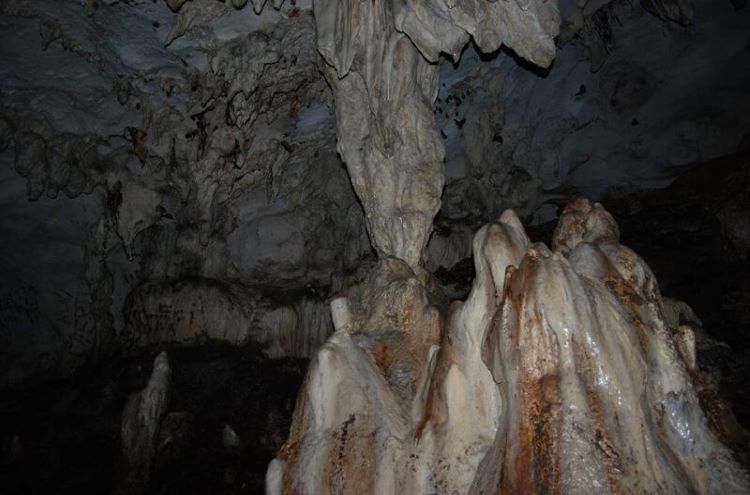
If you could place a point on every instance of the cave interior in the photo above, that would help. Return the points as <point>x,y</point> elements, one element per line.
<point>394,246</point>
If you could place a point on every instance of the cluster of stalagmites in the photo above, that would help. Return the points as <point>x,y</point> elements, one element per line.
<point>562,372</point>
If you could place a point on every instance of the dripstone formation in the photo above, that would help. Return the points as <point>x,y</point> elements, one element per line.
<point>355,188</point>
<point>557,374</point>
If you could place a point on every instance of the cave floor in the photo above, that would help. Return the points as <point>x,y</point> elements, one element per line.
<point>64,437</point>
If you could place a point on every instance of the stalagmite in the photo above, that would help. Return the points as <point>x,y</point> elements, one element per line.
<point>239,182</point>
<point>558,374</point>
<point>141,422</point>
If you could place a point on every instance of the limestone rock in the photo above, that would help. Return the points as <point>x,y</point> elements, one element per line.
<point>384,86</point>
<point>558,374</point>
<point>186,312</point>
<point>175,5</point>
<point>195,311</point>
<point>680,11</point>
<point>141,422</point>
<point>162,148</point>
<point>445,249</point>
<point>582,221</point>
<point>229,438</point>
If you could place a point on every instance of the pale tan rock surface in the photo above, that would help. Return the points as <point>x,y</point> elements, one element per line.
<point>381,57</point>
<point>558,374</point>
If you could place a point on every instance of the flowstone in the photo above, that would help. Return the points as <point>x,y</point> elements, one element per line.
<point>560,373</point>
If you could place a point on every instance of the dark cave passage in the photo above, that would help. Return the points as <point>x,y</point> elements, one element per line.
<point>229,412</point>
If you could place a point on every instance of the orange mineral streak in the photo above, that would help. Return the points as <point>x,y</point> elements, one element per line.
<point>558,374</point>
<point>535,469</point>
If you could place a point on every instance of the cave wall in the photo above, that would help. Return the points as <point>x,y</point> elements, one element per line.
<point>631,101</point>
<point>163,158</point>
<point>167,177</point>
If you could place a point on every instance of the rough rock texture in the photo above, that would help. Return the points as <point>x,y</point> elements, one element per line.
<point>192,312</point>
<point>583,222</point>
<point>720,188</point>
<point>143,149</point>
<point>682,226</point>
<point>381,56</point>
<point>680,11</point>
<point>558,374</point>
<point>631,101</point>
<point>165,144</point>
<point>168,177</point>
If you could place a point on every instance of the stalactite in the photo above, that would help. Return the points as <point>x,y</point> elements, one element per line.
<point>381,65</point>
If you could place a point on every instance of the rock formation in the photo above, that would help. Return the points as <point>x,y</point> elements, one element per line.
<point>190,166</point>
<point>192,144</point>
<point>382,58</point>
<point>204,176</point>
<point>141,424</point>
<point>558,374</point>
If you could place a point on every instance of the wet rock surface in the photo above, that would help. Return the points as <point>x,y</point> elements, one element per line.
<point>679,231</point>
<point>564,370</point>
